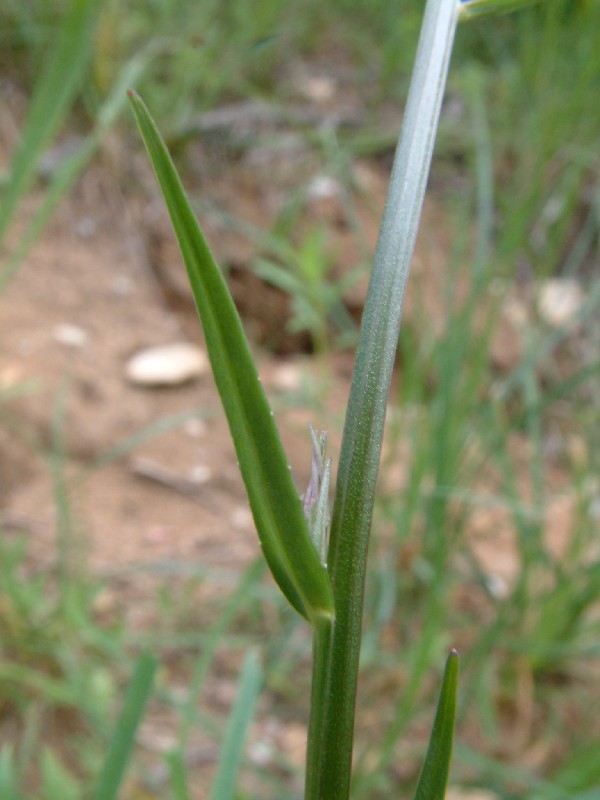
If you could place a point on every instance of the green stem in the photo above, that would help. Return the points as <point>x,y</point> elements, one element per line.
<point>322,638</point>
<point>331,728</point>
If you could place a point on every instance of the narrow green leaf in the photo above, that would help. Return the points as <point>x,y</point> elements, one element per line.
<point>8,774</point>
<point>244,589</point>
<point>230,758</point>
<point>67,172</point>
<point>274,501</point>
<point>470,9</point>
<point>177,759</point>
<point>57,782</point>
<point>123,738</point>
<point>53,95</point>
<point>434,775</point>
<point>178,778</point>
<point>52,689</point>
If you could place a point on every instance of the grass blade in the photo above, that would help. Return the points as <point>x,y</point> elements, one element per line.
<point>52,689</point>
<point>274,500</point>
<point>57,782</point>
<point>434,775</point>
<point>177,758</point>
<point>67,173</point>
<point>8,774</point>
<point>470,9</point>
<point>50,103</point>
<point>230,758</point>
<point>123,738</point>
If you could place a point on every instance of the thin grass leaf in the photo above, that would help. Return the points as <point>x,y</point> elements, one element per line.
<point>123,738</point>
<point>434,775</point>
<point>274,501</point>
<point>57,782</point>
<point>177,776</point>
<point>67,173</point>
<point>230,758</point>
<point>8,774</point>
<point>53,95</point>
<point>52,689</point>
<point>177,758</point>
<point>581,770</point>
<point>471,9</point>
<point>497,771</point>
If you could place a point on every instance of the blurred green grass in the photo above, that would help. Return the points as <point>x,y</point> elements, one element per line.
<point>517,152</point>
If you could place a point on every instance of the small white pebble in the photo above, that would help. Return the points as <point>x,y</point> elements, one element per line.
<point>261,753</point>
<point>70,335</point>
<point>85,227</point>
<point>324,187</point>
<point>241,518</point>
<point>559,301</point>
<point>201,473</point>
<point>497,586</point>
<point>318,88</point>
<point>166,365</point>
<point>123,286</point>
<point>195,428</point>
<point>287,377</point>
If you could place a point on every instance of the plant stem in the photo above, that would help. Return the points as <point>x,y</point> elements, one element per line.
<point>322,637</point>
<point>336,654</point>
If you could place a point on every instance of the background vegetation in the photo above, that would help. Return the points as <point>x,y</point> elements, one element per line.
<point>479,443</point>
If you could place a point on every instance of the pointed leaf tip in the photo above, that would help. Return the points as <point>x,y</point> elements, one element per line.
<point>434,775</point>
